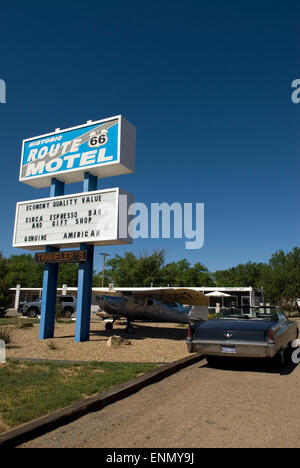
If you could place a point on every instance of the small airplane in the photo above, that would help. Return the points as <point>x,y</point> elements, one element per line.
<point>172,305</point>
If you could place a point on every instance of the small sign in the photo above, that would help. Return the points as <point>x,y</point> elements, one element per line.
<point>69,256</point>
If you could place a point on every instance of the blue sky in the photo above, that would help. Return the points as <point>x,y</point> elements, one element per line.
<point>208,87</point>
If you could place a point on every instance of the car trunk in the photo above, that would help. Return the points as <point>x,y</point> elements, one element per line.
<point>233,330</point>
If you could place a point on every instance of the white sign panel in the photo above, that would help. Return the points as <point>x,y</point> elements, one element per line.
<point>68,221</point>
<point>104,148</point>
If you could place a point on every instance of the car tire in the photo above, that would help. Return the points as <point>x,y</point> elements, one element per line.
<point>68,312</point>
<point>32,312</point>
<point>280,359</point>
<point>129,329</point>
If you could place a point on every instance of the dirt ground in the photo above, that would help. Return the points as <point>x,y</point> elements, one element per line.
<point>250,404</point>
<point>151,342</point>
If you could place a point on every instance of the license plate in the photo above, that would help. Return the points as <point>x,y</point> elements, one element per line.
<point>228,349</point>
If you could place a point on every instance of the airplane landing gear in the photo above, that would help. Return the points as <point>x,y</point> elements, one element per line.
<point>129,329</point>
<point>109,325</point>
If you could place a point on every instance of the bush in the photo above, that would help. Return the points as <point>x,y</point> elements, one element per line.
<point>59,309</point>
<point>51,345</point>
<point>212,316</point>
<point>5,335</point>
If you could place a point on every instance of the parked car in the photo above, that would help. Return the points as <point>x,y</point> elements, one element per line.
<point>33,309</point>
<point>250,332</point>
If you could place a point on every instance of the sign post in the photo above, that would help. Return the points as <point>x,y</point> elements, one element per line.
<point>85,278</point>
<point>87,152</point>
<point>48,308</point>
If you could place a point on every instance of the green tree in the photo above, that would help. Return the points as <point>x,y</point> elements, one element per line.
<point>281,279</point>
<point>5,297</point>
<point>182,274</point>
<point>249,274</point>
<point>23,270</point>
<point>144,270</point>
<point>132,271</point>
<point>68,274</point>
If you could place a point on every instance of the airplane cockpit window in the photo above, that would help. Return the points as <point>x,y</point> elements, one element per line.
<point>139,300</point>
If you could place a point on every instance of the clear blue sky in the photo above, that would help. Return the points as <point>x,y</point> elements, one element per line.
<point>208,87</point>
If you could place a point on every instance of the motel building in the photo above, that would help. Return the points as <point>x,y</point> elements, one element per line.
<point>218,296</point>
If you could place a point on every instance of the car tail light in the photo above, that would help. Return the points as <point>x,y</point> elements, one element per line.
<point>270,336</point>
<point>190,333</point>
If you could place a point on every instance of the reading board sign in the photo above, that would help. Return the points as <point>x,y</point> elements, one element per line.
<point>68,221</point>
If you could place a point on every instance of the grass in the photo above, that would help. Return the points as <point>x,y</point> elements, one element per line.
<point>17,321</point>
<point>29,390</point>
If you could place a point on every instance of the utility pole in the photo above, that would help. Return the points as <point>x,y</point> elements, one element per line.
<point>103,269</point>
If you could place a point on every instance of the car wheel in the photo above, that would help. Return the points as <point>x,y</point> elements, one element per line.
<point>280,359</point>
<point>32,313</point>
<point>108,326</point>
<point>68,312</point>
<point>129,329</point>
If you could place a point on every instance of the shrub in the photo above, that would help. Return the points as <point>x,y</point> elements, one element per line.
<point>5,335</point>
<point>51,345</point>
<point>59,309</point>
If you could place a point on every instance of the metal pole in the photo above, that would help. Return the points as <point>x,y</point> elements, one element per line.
<point>103,269</point>
<point>85,278</point>
<point>48,307</point>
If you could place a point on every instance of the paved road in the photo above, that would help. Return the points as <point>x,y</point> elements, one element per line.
<point>250,404</point>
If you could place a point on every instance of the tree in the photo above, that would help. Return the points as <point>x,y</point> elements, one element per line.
<point>68,274</point>
<point>142,271</point>
<point>132,271</point>
<point>5,296</point>
<point>23,269</point>
<point>182,274</point>
<point>281,279</point>
<point>249,274</point>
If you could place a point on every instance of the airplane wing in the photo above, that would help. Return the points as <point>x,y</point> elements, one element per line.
<point>181,295</point>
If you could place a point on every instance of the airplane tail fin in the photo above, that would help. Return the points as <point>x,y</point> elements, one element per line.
<point>199,313</point>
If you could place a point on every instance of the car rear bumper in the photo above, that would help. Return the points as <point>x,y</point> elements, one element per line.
<point>242,349</point>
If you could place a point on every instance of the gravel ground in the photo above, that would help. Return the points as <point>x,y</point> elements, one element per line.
<point>151,342</point>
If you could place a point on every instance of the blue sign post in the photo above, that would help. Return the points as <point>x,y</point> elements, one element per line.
<point>85,278</point>
<point>48,309</point>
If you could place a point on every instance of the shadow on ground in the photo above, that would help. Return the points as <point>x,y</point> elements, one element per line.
<point>267,366</point>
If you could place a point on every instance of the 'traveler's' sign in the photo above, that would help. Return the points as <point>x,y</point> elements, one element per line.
<point>65,256</point>
<point>104,148</point>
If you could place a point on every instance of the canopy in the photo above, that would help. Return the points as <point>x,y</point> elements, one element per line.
<point>218,294</point>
